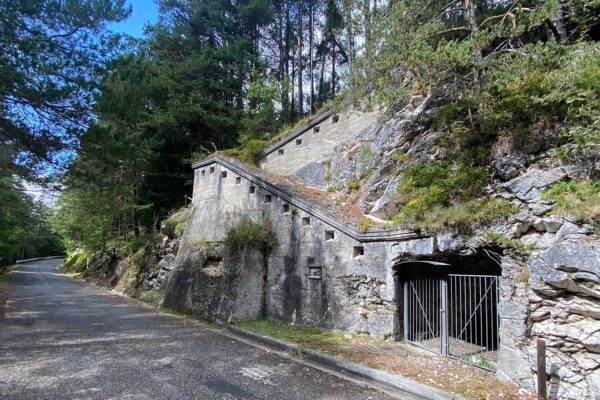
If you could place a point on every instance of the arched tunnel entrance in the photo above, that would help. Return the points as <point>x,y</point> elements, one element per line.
<point>450,306</point>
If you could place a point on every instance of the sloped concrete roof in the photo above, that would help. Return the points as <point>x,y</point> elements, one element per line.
<point>319,203</point>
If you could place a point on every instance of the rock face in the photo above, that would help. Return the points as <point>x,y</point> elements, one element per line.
<point>211,285</point>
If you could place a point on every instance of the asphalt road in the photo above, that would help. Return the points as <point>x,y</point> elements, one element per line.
<point>63,339</point>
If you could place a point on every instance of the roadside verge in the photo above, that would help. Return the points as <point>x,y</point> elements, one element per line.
<point>392,381</point>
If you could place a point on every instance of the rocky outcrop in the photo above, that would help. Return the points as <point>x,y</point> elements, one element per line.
<point>212,285</point>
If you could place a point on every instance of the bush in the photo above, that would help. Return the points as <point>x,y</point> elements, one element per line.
<point>259,235</point>
<point>248,152</point>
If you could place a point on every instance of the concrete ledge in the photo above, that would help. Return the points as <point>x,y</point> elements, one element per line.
<point>370,374</point>
<point>266,340</point>
<point>26,260</point>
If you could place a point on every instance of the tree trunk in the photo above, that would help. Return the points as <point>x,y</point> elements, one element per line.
<point>333,61</point>
<point>299,62</point>
<point>476,53</point>
<point>310,52</point>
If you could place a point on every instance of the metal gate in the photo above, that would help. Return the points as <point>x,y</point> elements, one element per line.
<point>456,315</point>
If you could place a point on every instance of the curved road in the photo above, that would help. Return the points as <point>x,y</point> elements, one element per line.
<point>63,339</point>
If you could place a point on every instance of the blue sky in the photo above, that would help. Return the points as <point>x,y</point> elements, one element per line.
<point>144,11</point>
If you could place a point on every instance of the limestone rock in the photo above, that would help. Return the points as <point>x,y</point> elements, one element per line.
<point>510,166</point>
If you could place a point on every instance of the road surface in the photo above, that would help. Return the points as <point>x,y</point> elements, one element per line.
<point>63,339</point>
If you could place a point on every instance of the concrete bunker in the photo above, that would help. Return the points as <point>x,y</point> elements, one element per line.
<point>449,305</point>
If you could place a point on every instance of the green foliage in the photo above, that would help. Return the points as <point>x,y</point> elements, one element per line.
<point>580,199</point>
<point>76,262</point>
<point>25,230</point>
<point>353,185</point>
<point>363,224</point>
<point>53,57</point>
<point>247,233</point>
<point>424,187</point>
<point>301,335</point>
<point>177,221</point>
<point>508,243</point>
<point>249,151</point>
<point>464,216</point>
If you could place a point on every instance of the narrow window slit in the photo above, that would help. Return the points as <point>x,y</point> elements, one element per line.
<point>358,251</point>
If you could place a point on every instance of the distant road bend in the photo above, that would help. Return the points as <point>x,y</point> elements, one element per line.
<point>63,339</point>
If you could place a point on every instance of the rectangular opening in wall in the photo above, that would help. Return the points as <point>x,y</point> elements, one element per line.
<point>316,129</point>
<point>358,251</point>
<point>202,172</point>
<point>329,235</point>
<point>267,198</point>
<point>335,119</point>
<point>280,152</point>
<point>314,272</point>
<point>251,189</point>
<point>238,180</point>
<point>298,142</point>
<point>285,208</point>
<point>212,170</point>
<point>223,174</point>
<point>306,221</point>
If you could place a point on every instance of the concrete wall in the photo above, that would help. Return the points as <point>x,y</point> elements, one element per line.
<point>355,293</point>
<point>317,147</point>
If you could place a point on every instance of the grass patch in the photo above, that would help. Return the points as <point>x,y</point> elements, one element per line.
<point>177,222</point>
<point>461,217</point>
<point>364,224</point>
<point>315,338</point>
<point>580,199</point>
<point>353,185</point>
<point>508,243</point>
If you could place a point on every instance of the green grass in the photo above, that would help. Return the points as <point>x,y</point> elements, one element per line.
<point>461,217</point>
<point>301,335</point>
<point>577,198</point>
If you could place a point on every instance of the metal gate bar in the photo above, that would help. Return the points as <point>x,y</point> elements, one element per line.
<point>456,315</point>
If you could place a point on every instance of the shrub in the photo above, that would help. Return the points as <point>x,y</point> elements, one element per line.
<point>248,152</point>
<point>259,235</point>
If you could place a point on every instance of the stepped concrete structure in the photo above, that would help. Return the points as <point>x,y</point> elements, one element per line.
<point>326,272</point>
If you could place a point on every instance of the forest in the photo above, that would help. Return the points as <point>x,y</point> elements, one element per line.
<point>113,123</point>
